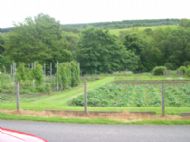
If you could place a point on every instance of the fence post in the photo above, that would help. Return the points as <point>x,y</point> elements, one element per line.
<point>17,96</point>
<point>162,99</point>
<point>14,70</point>
<point>57,78</point>
<point>11,70</point>
<point>44,69</point>
<point>85,98</point>
<point>50,68</point>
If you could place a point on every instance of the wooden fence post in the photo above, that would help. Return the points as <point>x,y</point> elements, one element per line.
<point>17,96</point>
<point>11,70</point>
<point>162,99</point>
<point>44,69</point>
<point>57,78</point>
<point>85,98</point>
<point>50,68</point>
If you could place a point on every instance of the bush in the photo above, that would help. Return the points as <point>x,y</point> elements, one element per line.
<point>64,75</point>
<point>75,73</point>
<point>188,71</point>
<point>22,73</point>
<point>170,66</point>
<point>37,74</point>
<point>159,70</point>
<point>68,74</point>
<point>182,70</point>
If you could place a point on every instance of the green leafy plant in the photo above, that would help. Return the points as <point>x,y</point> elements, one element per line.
<point>182,70</point>
<point>37,74</point>
<point>159,70</point>
<point>22,73</point>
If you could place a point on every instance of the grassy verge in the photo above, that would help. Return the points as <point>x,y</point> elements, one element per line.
<point>157,110</point>
<point>4,116</point>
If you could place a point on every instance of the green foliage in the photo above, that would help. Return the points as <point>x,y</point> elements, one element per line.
<point>125,95</point>
<point>3,59</point>
<point>141,45</point>
<point>100,52</point>
<point>122,24</point>
<point>137,49</point>
<point>188,71</point>
<point>75,73</point>
<point>159,70</point>
<point>170,66</point>
<point>184,23</point>
<point>38,39</point>
<point>182,70</point>
<point>37,73</point>
<point>22,73</point>
<point>68,74</point>
<point>64,75</point>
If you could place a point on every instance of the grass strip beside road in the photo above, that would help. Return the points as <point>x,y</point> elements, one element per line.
<point>4,116</point>
<point>157,110</point>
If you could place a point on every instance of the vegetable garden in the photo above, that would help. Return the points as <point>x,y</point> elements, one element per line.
<point>139,94</point>
<point>35,79</point>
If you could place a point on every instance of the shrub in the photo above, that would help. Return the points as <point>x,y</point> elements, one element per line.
<point>182,70</point>
<point>37,74</point>
<point>64,75</point>
<point>68,74</point>
<point>22,73</point>
<point>159,70</point>
<point>75,73</point>
<point>188,71</point>
<point>170,66</point>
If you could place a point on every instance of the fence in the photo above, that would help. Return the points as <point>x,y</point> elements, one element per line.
<point>142,93</point>
<point>35,78</point>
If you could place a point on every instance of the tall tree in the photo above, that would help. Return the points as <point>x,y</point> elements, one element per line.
<point>100,52</point>
<point>38,39</point>
<point>2,49</point>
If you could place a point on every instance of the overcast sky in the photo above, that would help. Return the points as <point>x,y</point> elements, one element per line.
<point>87,11</point>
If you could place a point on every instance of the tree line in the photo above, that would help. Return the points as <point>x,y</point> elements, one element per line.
<point>122,24</point>
<point>42,39</point>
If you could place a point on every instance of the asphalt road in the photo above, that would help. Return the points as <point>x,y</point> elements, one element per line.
<point>59,132</point>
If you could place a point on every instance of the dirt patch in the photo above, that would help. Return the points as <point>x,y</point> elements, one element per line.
<point>122,116</point>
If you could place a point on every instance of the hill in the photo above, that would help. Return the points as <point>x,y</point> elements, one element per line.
<point>122,24</point>
<point>113,24</point>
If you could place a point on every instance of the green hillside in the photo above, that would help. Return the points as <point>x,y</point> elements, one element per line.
<point>122,24</point>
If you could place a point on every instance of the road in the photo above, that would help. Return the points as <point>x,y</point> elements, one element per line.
<point>59,132</point>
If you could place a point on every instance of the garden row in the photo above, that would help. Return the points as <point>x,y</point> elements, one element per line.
<point>140,95</point>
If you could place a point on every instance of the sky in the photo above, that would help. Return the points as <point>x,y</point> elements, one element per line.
<point>88,11</point>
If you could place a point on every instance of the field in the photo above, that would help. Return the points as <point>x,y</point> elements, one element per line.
<point>140,29</point>
<point>104,95</point>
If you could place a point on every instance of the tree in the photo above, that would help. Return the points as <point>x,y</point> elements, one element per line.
<point>75,73</point>
<point>37,73</point>
<point>133,43</point>
<point>184,23</point>
<point>176,47</point>
<point>101,52</point>
<point>140,45</point>
<point>38,39</point>
<point>22,73</point>
<point>2,49</point>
